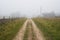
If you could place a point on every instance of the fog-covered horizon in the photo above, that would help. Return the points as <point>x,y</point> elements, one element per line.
<point>28,8</point>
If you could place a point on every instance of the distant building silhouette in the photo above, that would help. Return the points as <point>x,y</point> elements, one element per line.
<point>3,17</point>
<point>49,15</point>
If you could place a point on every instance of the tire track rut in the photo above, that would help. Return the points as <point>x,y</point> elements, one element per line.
<point>21,32</point>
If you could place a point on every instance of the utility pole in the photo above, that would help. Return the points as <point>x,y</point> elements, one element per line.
<point>40,11</point>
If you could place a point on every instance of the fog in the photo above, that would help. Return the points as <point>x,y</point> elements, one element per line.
<point>28,8</point>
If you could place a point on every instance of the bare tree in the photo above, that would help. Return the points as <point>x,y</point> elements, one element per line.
<point>15,15</point>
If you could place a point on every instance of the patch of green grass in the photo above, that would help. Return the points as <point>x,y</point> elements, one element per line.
<point>49,27</point>
<point>9,29</point>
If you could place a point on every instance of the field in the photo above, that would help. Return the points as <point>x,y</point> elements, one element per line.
<point>50,27</point>
<point>33,29</point>
<point>10,27</point>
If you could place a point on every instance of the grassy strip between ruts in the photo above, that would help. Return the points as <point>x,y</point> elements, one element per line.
<point>9,29</point>
<point>50,27</point>
<point>27,32</point>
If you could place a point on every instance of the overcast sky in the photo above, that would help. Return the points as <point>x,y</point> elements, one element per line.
<point>28,7</point>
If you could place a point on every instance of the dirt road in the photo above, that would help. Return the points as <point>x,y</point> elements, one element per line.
<point>33,32</point>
